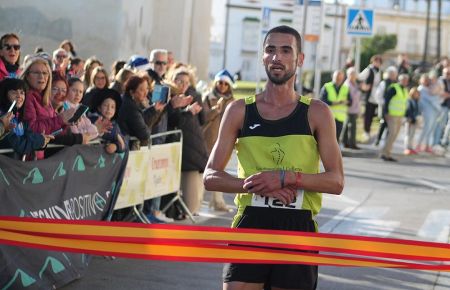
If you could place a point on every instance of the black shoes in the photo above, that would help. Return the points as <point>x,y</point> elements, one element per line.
<point>386,158</point>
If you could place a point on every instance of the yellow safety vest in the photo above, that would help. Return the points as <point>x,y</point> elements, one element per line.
<point>397,105</point>
<point>339,111</point>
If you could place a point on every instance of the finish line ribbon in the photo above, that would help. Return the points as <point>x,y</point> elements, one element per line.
<point>217,244</point>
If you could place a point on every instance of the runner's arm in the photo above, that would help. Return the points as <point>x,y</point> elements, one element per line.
<point>323,127</point>
<point>215,178</point>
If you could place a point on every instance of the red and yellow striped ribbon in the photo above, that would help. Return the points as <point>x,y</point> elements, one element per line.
<point>212,244</point>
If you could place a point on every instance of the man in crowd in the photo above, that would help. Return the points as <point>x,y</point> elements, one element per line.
<point>370,78</point>
<point>337,95</point>
<point>395,104</point>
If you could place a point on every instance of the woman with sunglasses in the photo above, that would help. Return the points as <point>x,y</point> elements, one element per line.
<point>9,56</point>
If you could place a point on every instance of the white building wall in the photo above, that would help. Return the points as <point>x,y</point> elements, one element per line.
<point>113,29</point>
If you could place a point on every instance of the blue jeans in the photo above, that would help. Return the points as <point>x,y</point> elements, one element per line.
<point>442,121</point>
<point>430,115</point>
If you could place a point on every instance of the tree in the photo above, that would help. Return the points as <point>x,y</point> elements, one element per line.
<point>377,44</point>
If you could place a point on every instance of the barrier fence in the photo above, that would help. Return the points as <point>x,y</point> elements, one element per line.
<point>151,172</point>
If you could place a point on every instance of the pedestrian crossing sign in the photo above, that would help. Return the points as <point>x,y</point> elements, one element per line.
<point>359,22</point>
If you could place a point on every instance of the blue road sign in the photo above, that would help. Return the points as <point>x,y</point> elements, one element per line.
<point>359,22</point>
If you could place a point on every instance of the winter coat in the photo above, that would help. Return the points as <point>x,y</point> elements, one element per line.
<point>4,72</point>
<point>194,152</point>
<point>40,119</point>
<point>84,125</point>
<point>213,116</point>
<point>136,122</point>
<point>21,139</point>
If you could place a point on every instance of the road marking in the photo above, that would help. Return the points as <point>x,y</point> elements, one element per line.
<point>365,221</point>
<point>436,226</point>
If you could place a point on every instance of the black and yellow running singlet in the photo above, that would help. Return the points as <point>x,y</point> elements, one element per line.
<point>283,144</point>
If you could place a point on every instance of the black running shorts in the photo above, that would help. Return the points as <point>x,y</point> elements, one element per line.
<point>282,276</point>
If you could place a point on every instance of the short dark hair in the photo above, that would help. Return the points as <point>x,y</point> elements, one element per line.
<point>133,83</point>
<point>286,30</point>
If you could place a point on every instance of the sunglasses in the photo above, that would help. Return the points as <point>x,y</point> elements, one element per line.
<point>10,46</point>
<point>222,83</point>
<point>61,56</point>
<point>160,62</point>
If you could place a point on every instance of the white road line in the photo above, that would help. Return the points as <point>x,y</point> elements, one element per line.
<point>436,226</point>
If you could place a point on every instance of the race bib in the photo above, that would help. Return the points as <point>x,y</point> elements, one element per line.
<point>264,201</point>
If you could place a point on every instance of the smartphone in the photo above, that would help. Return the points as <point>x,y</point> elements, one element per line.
<point>160,94</point>
<point>82,109</point>
<point>12,106</point>
<point>57,132</point>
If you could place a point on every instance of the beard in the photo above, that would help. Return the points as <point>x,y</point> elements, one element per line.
<point>281,80</point>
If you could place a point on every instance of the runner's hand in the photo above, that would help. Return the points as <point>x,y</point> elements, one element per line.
<point>285,195</point>
<point>266,181</point>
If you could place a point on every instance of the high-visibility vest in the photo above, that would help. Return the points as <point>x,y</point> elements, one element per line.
<point>399,102</point>
<point>339,111</point>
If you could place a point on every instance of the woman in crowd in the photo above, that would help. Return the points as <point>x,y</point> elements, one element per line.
<point>39,113</point>
<point>120,79</point>
<point>136,115</point>
<point>76,68</point>
<point>99,81</point>
<point>429,106</point>
<point>90,64</point>
<point>412,112</point>
<point>115,68</point>
<point>349,130</point>
<point>60,90</point>
<point>20,138</point>
<point>9,56</point>
<point>214,105</point>
<point>60,61</point>
<point>74,97</point>
<point>194,153</point>
<point>67,45</point>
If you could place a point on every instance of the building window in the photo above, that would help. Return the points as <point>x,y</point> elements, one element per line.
<point>250,34</point>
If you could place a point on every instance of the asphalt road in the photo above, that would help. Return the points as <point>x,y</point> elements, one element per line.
<point>409,199</point>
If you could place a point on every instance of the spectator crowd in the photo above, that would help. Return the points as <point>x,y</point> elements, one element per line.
<point>63,99</point>
<point>399,96</point>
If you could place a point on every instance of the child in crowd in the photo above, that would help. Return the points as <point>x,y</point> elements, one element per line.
<point>21,139</point>
<point>107,104</point>
<point>412,112</point>
<point>74,96</point>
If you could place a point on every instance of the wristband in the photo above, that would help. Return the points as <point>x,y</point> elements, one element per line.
<point>282,176</point>
<point>298,178</point>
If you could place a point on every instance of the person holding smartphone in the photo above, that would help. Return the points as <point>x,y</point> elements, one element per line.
<point>19,137</point>
<point>39,113</point>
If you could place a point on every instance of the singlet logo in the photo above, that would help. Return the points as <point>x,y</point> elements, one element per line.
<point>254,126</point>
<point>277,153</point>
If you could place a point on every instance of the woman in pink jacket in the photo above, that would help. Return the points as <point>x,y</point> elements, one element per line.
<point>38,112</point>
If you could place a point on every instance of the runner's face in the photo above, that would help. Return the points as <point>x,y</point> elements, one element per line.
<point>281,57</point>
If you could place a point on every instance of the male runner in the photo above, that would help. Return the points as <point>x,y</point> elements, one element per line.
<point>279,139</point>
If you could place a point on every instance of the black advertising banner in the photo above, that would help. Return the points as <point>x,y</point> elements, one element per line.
<point>77,183</point>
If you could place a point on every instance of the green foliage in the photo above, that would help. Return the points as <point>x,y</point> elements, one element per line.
<point>377,44</point>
